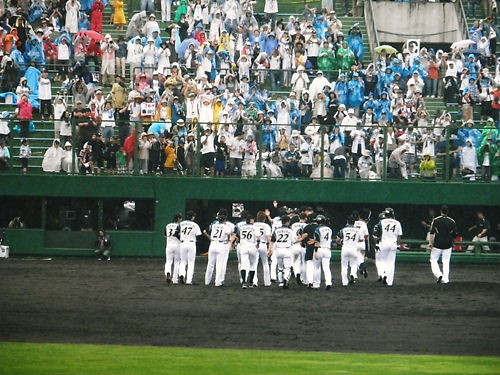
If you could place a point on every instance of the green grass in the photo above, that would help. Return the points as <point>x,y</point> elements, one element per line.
<point>55,359</point>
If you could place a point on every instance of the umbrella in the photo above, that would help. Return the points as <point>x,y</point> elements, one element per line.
<point>386,49</point>
<point>91,34</point>
<point>185,45</point>
<point>462,44</point>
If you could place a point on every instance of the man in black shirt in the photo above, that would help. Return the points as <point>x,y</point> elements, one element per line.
<point>442,234</point>
<point>480,230</point>
<point>308,241</point>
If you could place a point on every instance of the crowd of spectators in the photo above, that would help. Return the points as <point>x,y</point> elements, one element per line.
<point>218,88</point>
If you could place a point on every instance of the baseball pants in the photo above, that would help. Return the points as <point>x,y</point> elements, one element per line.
<point>445,255</point>
<point>188,257</point>
<point>322,261</point>
<point>265,266</point>
<point>216,260</point>
<point>348,258</point>
<point>283,264</point>
<point>387,261</point>
<point>172,259</point>
<point>299,262</point>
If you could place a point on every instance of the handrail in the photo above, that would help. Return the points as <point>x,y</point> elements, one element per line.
<point>462,19</point>
<point>371,26</point>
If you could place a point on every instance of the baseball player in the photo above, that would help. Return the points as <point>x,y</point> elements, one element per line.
<point>172,234</point>
<point>248,237</point>
<point>223,213</point>
<point>188,231</point>
<point>442,233</point>
<point>390,239</point>
<point>363,245</point>
<point>299,251</point>
<point>377,234</point>
<point>282,241</point>
<point>323,242</point>
<point>349,236</point>
<point>307,239</point>
<point>234,241</point>
<point>219,234</point>
<point>263,248</point>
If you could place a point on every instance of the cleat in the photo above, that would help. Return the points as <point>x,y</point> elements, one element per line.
<point>285,284</point>
<point>365,273</point>
<point>181,279</point>
<point>328,287</point>
<point>379,279</point>
<point>384,280</point>
<point>309,286</point>
<point>169,278</point>
<point>351,280</point>
<point>243,285</point>
<point>440,278</point>
<point>299,281</point>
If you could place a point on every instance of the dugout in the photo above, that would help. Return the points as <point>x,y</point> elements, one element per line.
<point>63,212</point>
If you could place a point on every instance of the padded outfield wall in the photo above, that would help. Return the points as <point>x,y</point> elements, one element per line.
<point>161,197</point>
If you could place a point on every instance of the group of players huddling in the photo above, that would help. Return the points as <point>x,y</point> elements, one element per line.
<point>297,242</point>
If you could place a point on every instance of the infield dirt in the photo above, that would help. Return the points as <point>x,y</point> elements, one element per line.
<point>127,301</point>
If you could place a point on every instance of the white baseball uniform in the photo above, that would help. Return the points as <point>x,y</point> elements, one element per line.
<point>283,239</point>
<point>172,254</point>
<point>299,252</point>
<point>363,237</point>
<point>322,235</point>
<point>189,230</point>
<point>349,254</point>
<point>265,237</point>
<point>248,236</point>
<point>391,230</point>
<point>219,239</point>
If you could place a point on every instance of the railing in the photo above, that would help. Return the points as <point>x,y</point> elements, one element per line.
<point>462,19</point>
<point>323,167</point>
<point>371,26</point>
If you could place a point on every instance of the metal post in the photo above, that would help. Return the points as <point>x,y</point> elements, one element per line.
<point>136,148</point>
<point>197,163</point>
<point>322,152</point>
<point>73,149</point>
<point>259,141</point>
<point>384,162</point>
<point>447,155</point>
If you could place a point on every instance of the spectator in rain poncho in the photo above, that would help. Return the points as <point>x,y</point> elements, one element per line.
<point>34,50</point>
<point>18,59</point>
<point>341,89</point>
<point>326,58</point>
<point>355,41</point>
<point>83,22</point>
<point>355,91</point>
<point>345,57</point>
<point>52,158</point>
<point>136,24</point>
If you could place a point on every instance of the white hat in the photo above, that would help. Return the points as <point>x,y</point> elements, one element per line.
<point>67,144</point>
<point>350,110</point>
<point>366,153</point>
<point>319,72</point>
<point>108,36</point>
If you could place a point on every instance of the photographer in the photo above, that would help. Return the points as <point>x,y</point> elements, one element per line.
<point>108,48</point>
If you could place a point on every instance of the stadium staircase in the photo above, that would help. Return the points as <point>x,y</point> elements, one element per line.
<point>43,136</point>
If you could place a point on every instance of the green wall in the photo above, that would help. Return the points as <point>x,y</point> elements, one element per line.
<point>171,193</point>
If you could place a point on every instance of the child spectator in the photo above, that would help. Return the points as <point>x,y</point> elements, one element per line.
<point>24,155</point>
<point>45,95</point>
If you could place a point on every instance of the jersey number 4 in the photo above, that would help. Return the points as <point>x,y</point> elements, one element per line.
<point>186,231</point>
